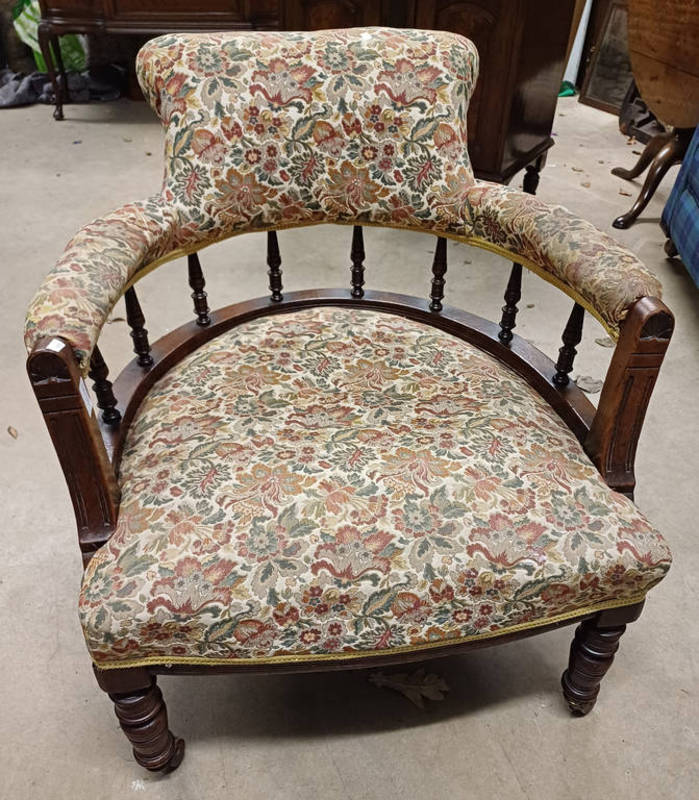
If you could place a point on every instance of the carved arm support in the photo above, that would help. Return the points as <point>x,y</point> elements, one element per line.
<point>67,409</point>
<point>613,436</point>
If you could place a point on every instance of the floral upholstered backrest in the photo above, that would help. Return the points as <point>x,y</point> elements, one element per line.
<point>274,129</point>
<point>361,126</point>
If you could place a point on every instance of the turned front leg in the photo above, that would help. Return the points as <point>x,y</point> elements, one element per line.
<point>143,718</point>
<point>591,655</point>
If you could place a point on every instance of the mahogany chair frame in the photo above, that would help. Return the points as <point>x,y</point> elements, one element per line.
<point>89,449</point>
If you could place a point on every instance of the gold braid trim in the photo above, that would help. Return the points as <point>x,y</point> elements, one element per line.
<point>362,654</point>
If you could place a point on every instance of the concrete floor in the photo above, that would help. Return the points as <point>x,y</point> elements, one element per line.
<point>503,730</point>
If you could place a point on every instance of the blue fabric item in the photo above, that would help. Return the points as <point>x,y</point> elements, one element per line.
<point>680,219</point>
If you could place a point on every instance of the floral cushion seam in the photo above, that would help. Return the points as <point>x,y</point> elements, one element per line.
<point>363,654</point>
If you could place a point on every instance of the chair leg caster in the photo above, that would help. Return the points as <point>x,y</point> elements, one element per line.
<point>591,654</point>
<point>176,758</point>
<point>577,705</point>
<point>143,718</point>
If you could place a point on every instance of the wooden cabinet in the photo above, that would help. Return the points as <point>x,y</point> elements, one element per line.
<point>522,47</point>
<point>158,16</point>
<point>311,15</point>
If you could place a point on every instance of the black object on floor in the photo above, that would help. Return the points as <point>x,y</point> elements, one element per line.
<point>17,89</point>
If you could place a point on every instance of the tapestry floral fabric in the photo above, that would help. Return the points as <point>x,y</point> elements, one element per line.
<point>268,130</point>
<point>344,482</point>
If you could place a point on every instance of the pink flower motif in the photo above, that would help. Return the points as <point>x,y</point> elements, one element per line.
<point>281,84</point>
<point>208,147</point>
<point>354,552</point>
<point>405,84</point>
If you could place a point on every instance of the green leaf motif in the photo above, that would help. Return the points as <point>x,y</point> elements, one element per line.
<point>267,572</point>
<point>293,525</point>
<point>423,129</point>
<point>221,631</point>
<point>304,126</point>
<point>134,564</point>
<point>380,602</point>
<point>182,140</point>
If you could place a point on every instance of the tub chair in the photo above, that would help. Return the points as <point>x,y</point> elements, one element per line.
<point>339,478</point>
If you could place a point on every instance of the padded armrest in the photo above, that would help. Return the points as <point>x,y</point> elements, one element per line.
<point>101,260</point>
<point>77,295</point>
<point>593,268</point>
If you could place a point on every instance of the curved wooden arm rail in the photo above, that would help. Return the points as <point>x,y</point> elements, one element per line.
<point>609,434</point>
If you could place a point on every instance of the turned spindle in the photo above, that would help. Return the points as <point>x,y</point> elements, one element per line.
<point>139,334</point>
<point>572,335</point>
<point>197,284</point>
<point>513,293</point>
<point>531,179</point>
<point>357,256</point>
<point>439,270</point>
<point>99,373</point>
<point>274,261</point>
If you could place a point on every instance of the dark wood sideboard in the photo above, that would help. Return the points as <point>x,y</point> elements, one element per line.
<point>522,46</point>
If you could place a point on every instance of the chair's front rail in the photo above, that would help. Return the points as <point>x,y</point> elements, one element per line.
<point>90,462</point>
<point>129,678</point>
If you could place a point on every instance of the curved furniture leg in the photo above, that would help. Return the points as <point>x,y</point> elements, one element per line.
<point>65,96</point>
<point>141,711</point>
<point>650,151</point>
<point>143,718</point>
<point>670,249</point>
<point>45,39</point>
<point>592,653</point>
<point>672,152</point>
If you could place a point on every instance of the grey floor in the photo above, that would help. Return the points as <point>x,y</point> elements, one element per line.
<point>502,731</point>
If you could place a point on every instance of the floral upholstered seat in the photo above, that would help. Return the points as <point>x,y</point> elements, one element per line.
<point>350,482</point>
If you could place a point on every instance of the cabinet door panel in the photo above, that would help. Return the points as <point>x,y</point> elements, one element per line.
<point>491,26</point>
<point>263,13</point>
<point>537,77</point>
<point>308,15</point>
